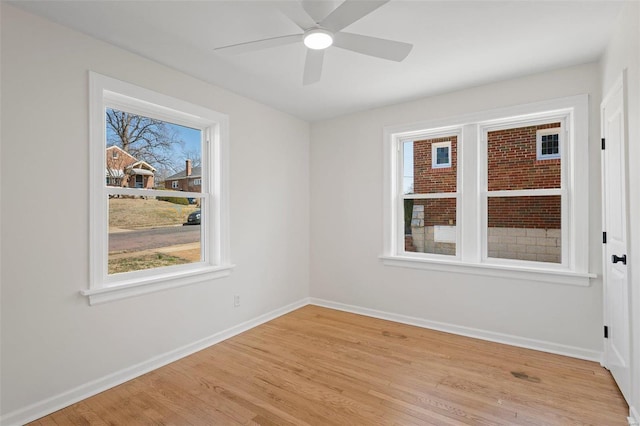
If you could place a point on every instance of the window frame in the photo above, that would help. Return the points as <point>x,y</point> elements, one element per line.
<point>545,132</point>
<point>472,209</point>
<point>175,184</point>
<point>106,92</point>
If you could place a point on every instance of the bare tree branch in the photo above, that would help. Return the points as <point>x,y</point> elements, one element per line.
<point>145,138</point>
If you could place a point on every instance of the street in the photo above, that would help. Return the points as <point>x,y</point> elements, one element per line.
<point>146,239</point>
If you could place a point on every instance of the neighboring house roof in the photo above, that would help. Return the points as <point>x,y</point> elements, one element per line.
<point>120,150</point>
<point>142,165</point>
<point>196,172</point>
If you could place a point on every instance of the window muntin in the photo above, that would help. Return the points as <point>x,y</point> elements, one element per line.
<point>211,198</point>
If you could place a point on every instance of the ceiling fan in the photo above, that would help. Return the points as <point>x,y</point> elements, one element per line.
<point>320,32</point>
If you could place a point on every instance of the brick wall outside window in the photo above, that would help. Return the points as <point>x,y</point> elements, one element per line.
<point>427,180</point>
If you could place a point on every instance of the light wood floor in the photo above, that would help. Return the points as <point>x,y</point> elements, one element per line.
<point>317,366</point>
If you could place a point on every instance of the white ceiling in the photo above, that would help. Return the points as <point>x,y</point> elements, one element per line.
<point>457,44</point>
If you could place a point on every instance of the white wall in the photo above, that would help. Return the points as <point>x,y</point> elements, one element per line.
<point>623,52</point>
<point>52,341</point>
<point>347,227</point>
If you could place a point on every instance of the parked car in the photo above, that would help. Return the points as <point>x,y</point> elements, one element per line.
<point>194,218</point>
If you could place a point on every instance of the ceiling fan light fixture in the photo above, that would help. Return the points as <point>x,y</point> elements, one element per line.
<point>318,39</point>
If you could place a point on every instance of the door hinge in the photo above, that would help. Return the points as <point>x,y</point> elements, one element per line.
<point>606,332</point>
<point>602,143</point>
<point>604,238</point>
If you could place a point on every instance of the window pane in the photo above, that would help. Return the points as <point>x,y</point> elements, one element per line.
<point>420,175</point>
<point>430,226</point>
<point>147,153</point>
<point>513,162</point>
<point>146,233</point>
<point>550,144</point>
<point>525,228</point>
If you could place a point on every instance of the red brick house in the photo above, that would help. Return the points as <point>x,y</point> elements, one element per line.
<point>126,171</point>
<point>188,180</point>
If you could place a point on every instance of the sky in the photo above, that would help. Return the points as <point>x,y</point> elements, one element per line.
<point>407,181</point>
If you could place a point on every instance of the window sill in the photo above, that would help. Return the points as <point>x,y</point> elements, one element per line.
<point>501,271</point>
<point>138,287</point>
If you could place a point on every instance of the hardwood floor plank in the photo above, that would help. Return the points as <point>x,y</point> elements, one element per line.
<point>317,366</point>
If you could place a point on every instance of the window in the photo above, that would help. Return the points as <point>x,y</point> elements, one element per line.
<point>197,182</point>
<point>547,144</point>
<point>524,196</point>
<point>114,154</point>
<point>470,194</point>
<point>175,184</point>
<point>441,154</point>
<point>430,195</point>
<point>136,246</point>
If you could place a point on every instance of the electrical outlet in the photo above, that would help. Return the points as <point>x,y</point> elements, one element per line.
<point>236,300</point>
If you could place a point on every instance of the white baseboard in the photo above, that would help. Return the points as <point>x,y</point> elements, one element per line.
<point>523,342</point>
<point>50,405</point>
<point>634,417</point>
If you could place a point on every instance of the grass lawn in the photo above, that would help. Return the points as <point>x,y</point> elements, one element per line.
<point>148,261</point>
<point>132,213</point>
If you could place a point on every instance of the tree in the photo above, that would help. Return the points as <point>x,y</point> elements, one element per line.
<point>148,139</point>
<point>193,155</point>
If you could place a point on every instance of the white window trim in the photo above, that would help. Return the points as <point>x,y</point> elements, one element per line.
<point>197,181</point>
<point>174,184</point>
<point>434,156</point>
<point>544,132</point>
<point>105,91</point>
<point>471,208</point>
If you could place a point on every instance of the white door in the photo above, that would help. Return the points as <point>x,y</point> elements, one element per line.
<point>615,277</point>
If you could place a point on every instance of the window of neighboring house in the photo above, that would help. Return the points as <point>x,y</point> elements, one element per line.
<point>114,154</point>
<point>548,142</point>
<point>175,185</point>
<point>498,210</point>
<point>441,154</point>
<point>129,263</point>
<point>197,181</point>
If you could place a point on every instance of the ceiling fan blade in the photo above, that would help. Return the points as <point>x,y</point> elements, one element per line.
<point>373,46</point>
<point>313,66</point>
<point>297,13</point>
<point>318,9</point>
<point>349,12</point>
<point>251,46</point>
